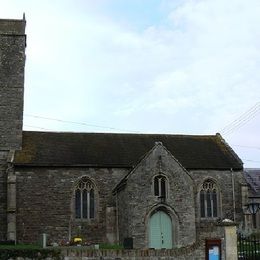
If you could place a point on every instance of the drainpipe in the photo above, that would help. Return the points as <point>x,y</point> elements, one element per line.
<point>70,228</point>
<point>117,229</point>
<point>233,194</point>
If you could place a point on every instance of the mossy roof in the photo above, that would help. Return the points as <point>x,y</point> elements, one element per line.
<point>122,150</point>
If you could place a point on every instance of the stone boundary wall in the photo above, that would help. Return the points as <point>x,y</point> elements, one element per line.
<point>195,251</point>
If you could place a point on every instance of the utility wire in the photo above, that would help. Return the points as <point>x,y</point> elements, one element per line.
<point>244,115</point>
<point>246,146</point>
<point>242,120</point>
<point>79,123</point>
<point>42,128</point>
<point>241,123</point>
<point>250,160</point>
<point>32,126</point>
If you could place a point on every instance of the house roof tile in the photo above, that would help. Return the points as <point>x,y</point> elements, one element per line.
<point>252,177</point>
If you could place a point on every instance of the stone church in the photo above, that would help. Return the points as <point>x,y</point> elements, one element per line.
<point>144,190</point>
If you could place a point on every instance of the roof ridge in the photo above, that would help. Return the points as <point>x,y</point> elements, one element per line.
<point>125,133</point>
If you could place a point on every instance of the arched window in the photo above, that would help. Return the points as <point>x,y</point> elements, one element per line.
<point>209,200</point>
<point>160,186</point>
<point>85,199</point>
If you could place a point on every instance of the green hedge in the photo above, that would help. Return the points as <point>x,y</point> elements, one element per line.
<point>9,253</point>
<point>110,246</point>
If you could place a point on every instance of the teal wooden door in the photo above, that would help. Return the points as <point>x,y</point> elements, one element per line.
<point>160,231</point>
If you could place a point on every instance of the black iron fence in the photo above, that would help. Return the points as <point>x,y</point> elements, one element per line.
<point>248,247</point>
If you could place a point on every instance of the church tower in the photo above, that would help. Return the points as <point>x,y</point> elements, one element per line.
<point>12,61</point>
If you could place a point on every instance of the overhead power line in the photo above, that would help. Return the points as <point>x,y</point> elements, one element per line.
<point>82,123</point>
<point>250,160</point>
<point>79,123</point>
<point>246,146</point>
<point>38,127</point>
<point>241,120</point>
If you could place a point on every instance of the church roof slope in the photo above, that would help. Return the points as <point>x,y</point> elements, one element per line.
<point>122,150</point>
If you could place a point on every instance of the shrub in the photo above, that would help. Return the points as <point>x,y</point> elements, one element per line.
<point>13,253</point>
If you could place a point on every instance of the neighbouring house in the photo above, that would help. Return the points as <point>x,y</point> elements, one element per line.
<point>252,177</point>
<point>143,190</point>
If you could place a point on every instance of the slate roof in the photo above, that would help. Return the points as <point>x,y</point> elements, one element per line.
<point>252,177</point>
<point>122,150</point>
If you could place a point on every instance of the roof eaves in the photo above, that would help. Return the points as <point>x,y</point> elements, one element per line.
<point>72,165</point>
<point>213,169</point>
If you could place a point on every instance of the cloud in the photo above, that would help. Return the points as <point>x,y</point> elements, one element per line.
<point>192,70</point>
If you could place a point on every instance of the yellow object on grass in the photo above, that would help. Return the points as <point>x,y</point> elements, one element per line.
<point>77,239</point>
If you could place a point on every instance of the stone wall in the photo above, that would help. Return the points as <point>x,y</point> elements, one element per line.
<point>226,233</point>
<point>223,180</point>
<point>45,203</point>
<point>3,194</point>
<point>12,61</point>
<point>193,252</point>
<point>138,202</point>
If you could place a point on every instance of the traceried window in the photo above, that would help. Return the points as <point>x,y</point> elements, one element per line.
<point>85,199</point>
<point>160,186</point>
<point>209,200</point>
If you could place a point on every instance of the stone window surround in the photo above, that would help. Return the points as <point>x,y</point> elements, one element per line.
<point>96,201</point>
<point>219,200</point>
<point>160,174</point>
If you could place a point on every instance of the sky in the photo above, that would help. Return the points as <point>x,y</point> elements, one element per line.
<point>144,66</point>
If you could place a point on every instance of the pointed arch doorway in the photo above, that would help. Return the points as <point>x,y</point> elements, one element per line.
<point>160,230</point>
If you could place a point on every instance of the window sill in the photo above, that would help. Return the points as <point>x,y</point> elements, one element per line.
<point>209,219</point>
<point>85,220</point>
